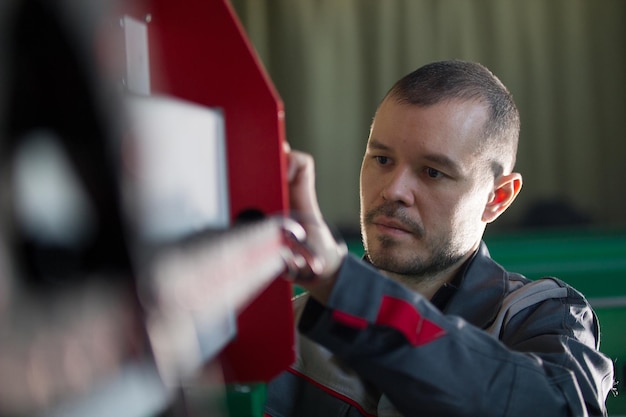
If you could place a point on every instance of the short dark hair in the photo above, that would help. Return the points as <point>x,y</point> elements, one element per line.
<point>468,81</point>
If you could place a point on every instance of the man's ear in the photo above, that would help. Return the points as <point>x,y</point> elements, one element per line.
<point>506,188</point>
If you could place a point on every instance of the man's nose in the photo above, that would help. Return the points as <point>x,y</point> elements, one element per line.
<point>400,187</point>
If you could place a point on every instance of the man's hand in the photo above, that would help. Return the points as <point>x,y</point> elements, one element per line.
<point>303,200</point>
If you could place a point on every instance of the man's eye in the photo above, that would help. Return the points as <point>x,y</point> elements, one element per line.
<point>433,173</point>
<point>382,160</point>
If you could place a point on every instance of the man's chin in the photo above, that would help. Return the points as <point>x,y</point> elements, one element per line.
<point>392,262</point>
<point>399,249</point>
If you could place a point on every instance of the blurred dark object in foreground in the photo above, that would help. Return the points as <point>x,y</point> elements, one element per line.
<point>69,315</point>
<point>55,92</point>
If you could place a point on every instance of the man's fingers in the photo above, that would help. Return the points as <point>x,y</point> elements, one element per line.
<point>292,168</point>
<point>298,165</point>
<point>301,176</point>
<point>314,262</point>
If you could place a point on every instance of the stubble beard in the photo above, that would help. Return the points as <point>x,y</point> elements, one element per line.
<point>391,255</point>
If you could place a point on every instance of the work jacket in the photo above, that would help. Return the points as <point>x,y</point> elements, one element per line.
<point>497,344</point>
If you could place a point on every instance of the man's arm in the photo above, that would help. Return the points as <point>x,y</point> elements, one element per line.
<point>430,363</point>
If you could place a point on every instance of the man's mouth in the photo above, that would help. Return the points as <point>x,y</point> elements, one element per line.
<point>391,220</point>
<point>391,226</point>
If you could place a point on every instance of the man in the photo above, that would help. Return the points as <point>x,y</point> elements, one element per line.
<point>433,326</point>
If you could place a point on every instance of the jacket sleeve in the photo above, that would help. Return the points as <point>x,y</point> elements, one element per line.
<point>428,363</point>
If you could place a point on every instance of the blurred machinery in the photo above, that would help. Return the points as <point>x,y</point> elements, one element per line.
<point>142,217</point>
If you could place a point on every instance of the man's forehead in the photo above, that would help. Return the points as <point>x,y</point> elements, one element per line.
<point>447,120</point>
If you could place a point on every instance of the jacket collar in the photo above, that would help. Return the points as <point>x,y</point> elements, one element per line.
<point>481,290</point>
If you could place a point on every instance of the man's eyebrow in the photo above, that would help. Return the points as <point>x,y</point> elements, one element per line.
<point>444,161</point>
<point>438,159</point>
<point>374,144</point>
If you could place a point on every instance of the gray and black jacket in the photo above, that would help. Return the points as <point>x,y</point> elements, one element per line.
<point>496,345</point>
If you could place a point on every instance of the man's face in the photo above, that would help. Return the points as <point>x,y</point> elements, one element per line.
<point>424,187</point>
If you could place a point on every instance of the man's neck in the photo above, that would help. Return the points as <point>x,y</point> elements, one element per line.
<point>425,286</point>
<point>429,285</point>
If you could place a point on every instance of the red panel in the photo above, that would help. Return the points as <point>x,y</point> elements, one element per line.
<point>200,53</point>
